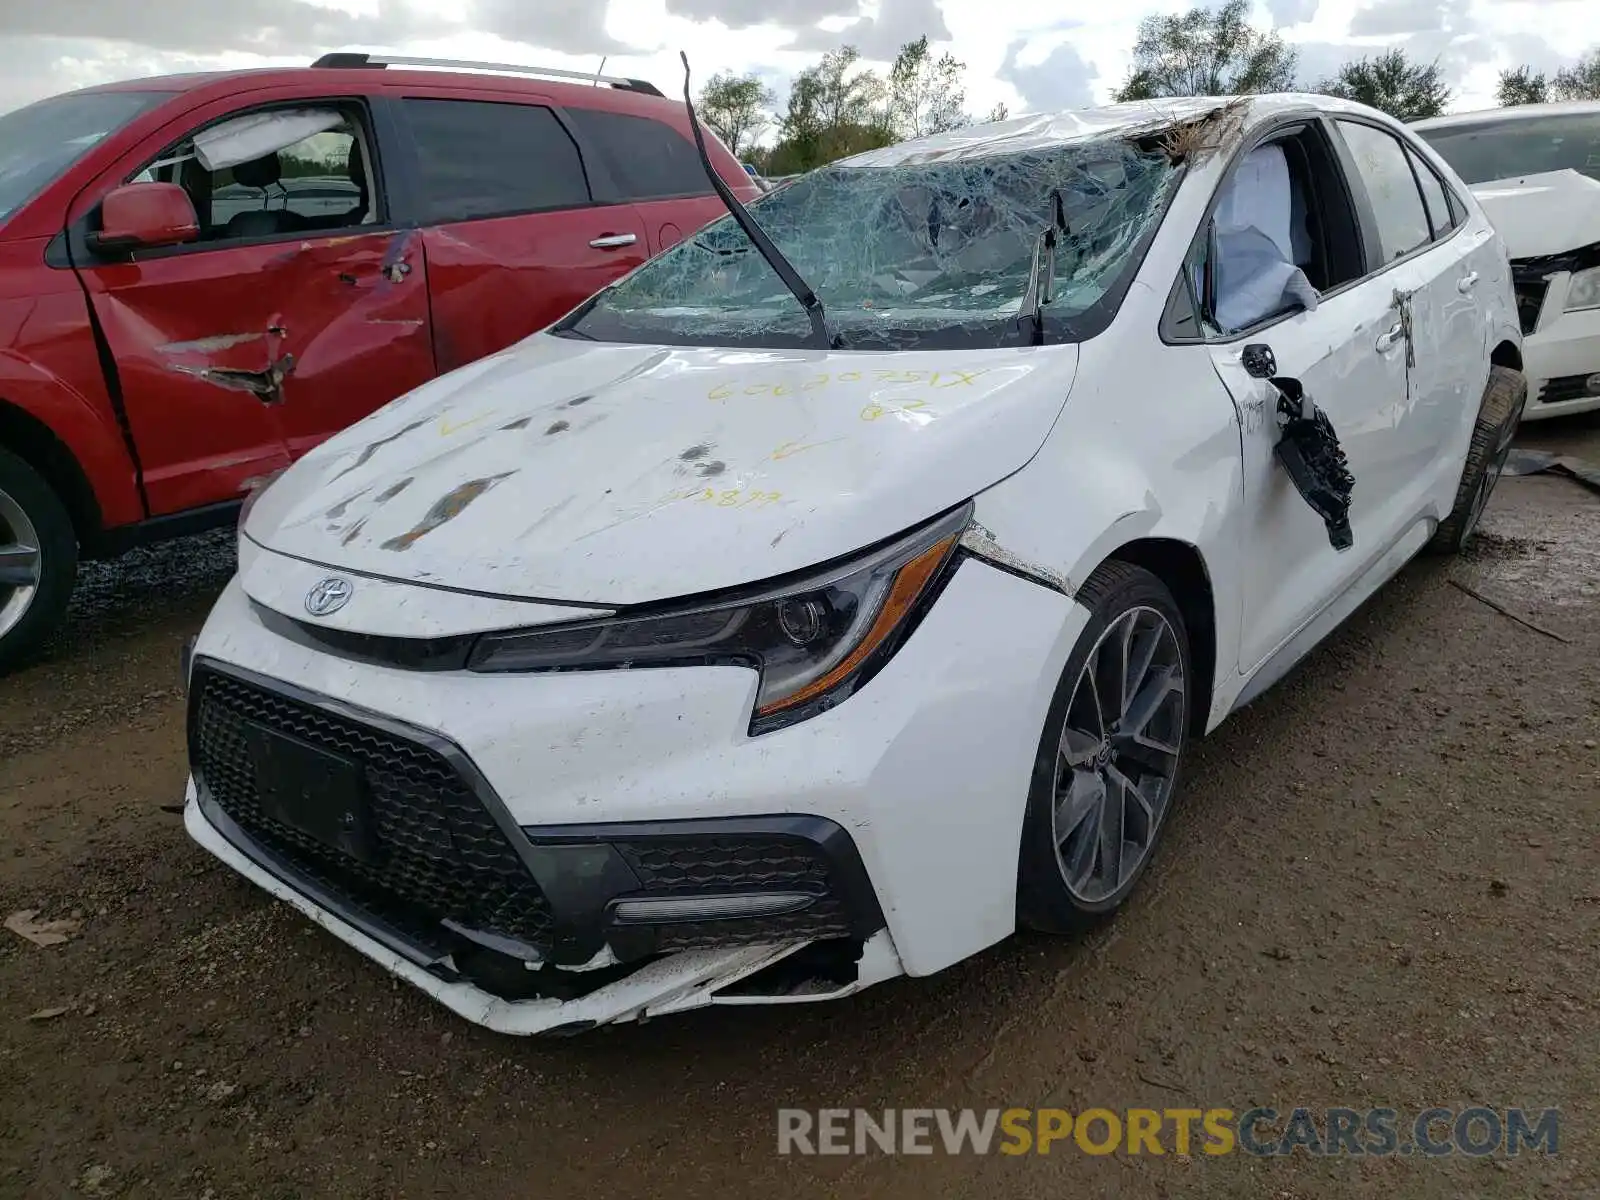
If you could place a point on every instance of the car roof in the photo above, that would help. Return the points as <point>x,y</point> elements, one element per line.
<point>1515,112</point>
<point>1076,126</point>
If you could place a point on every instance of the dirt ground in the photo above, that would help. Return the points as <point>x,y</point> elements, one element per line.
<point>1381,889</point>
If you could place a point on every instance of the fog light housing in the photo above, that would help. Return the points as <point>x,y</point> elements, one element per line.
<point>1591,385</point>
<point>667,910</point>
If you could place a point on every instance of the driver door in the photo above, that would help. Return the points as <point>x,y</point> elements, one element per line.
<point>1349,355</point>
<point>298,310</point>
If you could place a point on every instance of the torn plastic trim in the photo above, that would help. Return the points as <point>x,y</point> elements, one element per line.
<point>982,544</point>
<point>1310,452</point>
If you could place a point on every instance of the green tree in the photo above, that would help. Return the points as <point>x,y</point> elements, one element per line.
<point>1207,52</point>
<point>1578,82</point>
<point>835,109</point>
<point>925,93</point>
<point>736,107</point>
<point>1522,85</point>
<point>1392,82</point>
<point>998,113</point>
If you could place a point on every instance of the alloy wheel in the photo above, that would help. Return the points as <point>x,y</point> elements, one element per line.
<point>21,563</point>
<point>1118,755</point>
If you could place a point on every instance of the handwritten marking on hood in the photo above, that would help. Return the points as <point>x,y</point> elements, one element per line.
<point>932,379</point>
<point>577,400</point>
<point>519,423</point>
<point>712,469</point>
<point>696,452</point>
<point>729,498</point>
<point>446,429</point>
<point>444,510</point>
<point>790,449</point>
<point>394,489</point>
<point>557,427</point>
<point>910,411</point>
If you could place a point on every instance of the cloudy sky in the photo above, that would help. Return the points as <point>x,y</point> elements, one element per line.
<point>1046,54</point>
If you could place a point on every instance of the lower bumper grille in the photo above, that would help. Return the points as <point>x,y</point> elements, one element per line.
<point>740,863</point>
<point>434,852</point>
<point>1565,387</point>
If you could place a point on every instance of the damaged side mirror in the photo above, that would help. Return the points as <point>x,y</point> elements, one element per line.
<point>142,216</point>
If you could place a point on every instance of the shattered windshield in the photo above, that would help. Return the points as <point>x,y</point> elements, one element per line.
<point>922,255</point>
<point>1512,146</point>
<point>39,142</point>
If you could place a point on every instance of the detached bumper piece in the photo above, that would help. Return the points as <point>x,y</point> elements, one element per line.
<point>396,832</point>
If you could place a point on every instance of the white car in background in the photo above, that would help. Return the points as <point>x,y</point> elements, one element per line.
<point>734,643</point>
<point>1535,169</point>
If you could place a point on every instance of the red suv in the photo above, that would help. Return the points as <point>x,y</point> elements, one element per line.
<point>203,276</point>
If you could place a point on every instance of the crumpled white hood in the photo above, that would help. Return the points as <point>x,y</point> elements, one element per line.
<point>613,474</point>
<point>1543,214</point>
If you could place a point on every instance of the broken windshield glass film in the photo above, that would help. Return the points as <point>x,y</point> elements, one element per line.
<point>904,254</point>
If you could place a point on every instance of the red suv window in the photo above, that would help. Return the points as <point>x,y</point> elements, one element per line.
<point>650,160</point>
<point>483,159</point>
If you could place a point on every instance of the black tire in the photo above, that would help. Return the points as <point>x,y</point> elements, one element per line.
<point>23,487</point>
<point>1499,416</point>
<point>1118,595</point>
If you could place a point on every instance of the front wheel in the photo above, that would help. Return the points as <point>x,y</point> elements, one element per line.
<point>38,560</point>
<point>1108,762</point>
<point>1499,417</point>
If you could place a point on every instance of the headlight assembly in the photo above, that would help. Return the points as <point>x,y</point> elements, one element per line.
<point>1583,290</point>
<point>812,641</point>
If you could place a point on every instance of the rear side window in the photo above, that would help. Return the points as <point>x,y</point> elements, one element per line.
<point>481,159</point>
<point>1386,174</point>
<point>1441,213</point>
<point>650,160</point>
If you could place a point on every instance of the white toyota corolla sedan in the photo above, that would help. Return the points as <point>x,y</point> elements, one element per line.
<point>842,590</point>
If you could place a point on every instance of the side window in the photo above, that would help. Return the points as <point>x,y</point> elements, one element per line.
<point>1385,173</point>
<point>485,159</point>
<point>1441,214</point>
<point>650,160</point>
<point>273,171</point>
<point>1282,234</point>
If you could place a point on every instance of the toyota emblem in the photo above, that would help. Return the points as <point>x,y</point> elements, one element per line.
<point>329,596</point>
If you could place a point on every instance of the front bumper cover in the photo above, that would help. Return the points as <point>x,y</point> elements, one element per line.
<point>447,841</point>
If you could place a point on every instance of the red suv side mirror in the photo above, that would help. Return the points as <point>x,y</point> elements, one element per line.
<point>144,215</point>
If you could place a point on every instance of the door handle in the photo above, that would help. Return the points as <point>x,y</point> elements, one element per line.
<point>1467,282</point>
<point>395,272</point>
<point>614,241</point>
<point>1386,341</point>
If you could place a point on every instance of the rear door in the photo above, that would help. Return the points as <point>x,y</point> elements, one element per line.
<point>1435,271</point>
<point>513,235</point>
<point>299,310</point>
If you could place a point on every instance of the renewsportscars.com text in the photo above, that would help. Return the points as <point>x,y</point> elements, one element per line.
<point>1381,1132</point>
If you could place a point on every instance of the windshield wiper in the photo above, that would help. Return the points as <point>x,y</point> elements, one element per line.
<point>758,238</point>
<point>1042,274</point>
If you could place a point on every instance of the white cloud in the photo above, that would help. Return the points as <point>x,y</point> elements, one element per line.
<point>1043,54</point>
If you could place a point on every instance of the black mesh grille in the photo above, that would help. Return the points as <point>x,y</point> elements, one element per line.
<point>739,862</point>
<point>439,854</point>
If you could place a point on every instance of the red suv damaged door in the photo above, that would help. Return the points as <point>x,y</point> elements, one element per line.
<point>299,309</point>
